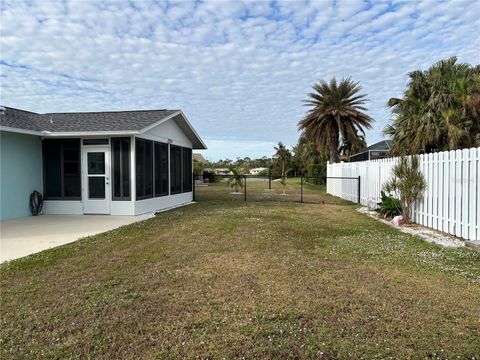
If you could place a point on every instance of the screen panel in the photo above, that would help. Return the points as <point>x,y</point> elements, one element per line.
<point>61,169</point>
<point>187,170</point>
<point>175,169</point>
<point>121,169</point>
<point>144,168</point>
<point>161,169</point>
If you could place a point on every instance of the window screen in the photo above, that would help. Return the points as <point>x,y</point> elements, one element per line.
<point>144,168</point>
<point>161,169</point>
<point>61,169</point>
<point>95,141</point>
<point>175,169</point>
<point>121,168</point>
<point>187,170</point>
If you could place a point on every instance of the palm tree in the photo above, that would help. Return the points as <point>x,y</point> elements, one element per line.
<point>307,154</point>
<point>472,111</point>
<point>337,109</point>
<point>282,155</point>
<point>436,110</point>
<point>236,180</point>
<point>352,146</point>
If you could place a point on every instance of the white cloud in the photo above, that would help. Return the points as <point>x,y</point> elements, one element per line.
<point>238,69</point>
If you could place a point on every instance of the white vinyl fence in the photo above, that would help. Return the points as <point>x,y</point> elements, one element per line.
<point>450,203</point>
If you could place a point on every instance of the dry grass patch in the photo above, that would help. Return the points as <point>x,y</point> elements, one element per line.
<point>231,279</point>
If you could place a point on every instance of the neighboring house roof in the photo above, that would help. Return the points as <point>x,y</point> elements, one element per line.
<point>259,169</point>
<point>383,145</point>
<point>91,123</point>
<point>199,158</point>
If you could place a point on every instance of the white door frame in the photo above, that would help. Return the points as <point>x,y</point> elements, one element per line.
<point>96,205</point>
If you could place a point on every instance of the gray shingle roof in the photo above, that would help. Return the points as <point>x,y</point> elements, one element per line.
<point>94,122</point>
<point>21,119</point>
<point>381,145</point>
<point>82,121</point>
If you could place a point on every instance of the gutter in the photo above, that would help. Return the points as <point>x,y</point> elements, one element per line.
<point>68,134</point>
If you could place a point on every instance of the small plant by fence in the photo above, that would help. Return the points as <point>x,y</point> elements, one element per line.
<point>451,201</point>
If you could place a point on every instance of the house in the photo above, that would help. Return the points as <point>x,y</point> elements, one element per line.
<point>116,162</point>
<point>222,171</point>
<point>199,157</point>
<point>256,171</point>
<point>378,150</point>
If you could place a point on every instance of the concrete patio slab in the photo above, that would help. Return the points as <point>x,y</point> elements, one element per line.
<point>24,236</point>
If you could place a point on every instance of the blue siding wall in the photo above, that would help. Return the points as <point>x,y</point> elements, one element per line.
<point>20,173</point>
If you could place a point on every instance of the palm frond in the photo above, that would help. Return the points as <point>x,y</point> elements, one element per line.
<point>335,109</point>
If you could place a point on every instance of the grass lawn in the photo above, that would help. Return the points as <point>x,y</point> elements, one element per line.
<point>257,279</point>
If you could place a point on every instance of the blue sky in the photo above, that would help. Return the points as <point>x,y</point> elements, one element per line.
<point>239,70</point>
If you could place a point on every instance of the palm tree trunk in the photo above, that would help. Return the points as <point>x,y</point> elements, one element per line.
<point>333,146</point>
<point>406,212</point>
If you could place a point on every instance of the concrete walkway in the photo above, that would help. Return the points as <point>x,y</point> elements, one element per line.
<point>29,235</point>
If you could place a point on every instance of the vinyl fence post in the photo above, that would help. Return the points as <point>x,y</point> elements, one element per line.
<point>245,188</point>
<point>301,189</point>
<point>359,199</point>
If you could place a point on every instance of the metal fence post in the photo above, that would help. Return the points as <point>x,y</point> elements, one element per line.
<point>270,182</point>
<point>245,188</point>
<point>301,190</point>
<point>193,188</point>
<point>359,190</point>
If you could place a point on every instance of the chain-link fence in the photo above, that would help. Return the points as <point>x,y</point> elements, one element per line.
<point>257,188</point>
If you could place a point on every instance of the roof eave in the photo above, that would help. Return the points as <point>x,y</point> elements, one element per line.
<point>89,133</point>
<point>359,153</point>
<point>68,133</point>
<point>201,145</point>
<point>197,142</point>
<point>20,131</point>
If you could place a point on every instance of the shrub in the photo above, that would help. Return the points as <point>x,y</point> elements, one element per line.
<point>389,206</point>
<point>198,168</point>
<point>236,180</point>
<point>408,182</point>
<point>317,173</point>
<point>210,175</point>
